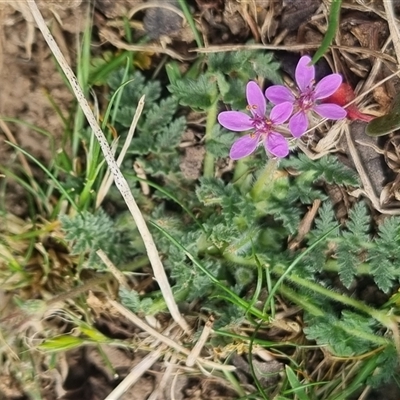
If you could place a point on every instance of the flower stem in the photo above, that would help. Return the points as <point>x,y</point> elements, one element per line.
<point>209,159</point>
<point>380,316</point>
<point>264,180</point>
<point>240,171</point>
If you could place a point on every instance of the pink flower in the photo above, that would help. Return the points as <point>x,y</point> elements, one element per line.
<point>264,128</point>
<point>308,97</point>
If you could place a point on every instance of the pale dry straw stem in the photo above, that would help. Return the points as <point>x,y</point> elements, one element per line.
<point>376,66</point>
<point>155,4</point>
<point>119,44</point>
<point>109,178</point>
<point>368,189</point>
<point>167,374</point>
<point>120,181</point>
<point>136,373</point>
<point>296,47</point>
<point>118,275</point>
<point>194,354</point>
<point>164,339</point>
<point>394,31</point>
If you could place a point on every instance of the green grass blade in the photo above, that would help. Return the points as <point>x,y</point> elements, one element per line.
<point>295,384</point>
<point>333,23</point>
<point>48,173</point>
<point>190,20</point>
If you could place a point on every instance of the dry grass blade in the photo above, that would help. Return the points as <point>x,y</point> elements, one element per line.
<point>119,44</point>
<point>108,178</point>
<point>120,181</point>
<point>393,27</point>
<point>166,340</point>
<point>194,354</point>
<point>135,374</point>
<point>118,275</point>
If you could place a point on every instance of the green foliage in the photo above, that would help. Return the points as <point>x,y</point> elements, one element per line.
<point>199,93</point>
<point>249,62</point>
<point>157,115</point>
<point>131,300</point>
<point>211,191</point>
<point>89,232</point>
<point>325,221</point>
<point>352,244</point>
<point>327,168</point>
<point>159,130</point>
<point>388,366</point>
<point>384,256</point>
<point>265,66</point>
<point>220,142</point>
<point>134,90</point>
<point>348,335</point>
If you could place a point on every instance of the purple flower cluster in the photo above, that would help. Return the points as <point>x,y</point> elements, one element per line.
<point>294,107</point>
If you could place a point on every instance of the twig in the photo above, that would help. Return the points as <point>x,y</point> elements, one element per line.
<point>394,31</point>
<point>118,43</point>
<point>295,47</point>
<point>120,181</point>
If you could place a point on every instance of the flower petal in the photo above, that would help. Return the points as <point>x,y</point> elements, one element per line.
<point>327,86</point>
<point>281,112</point>
<point>330,110</point>
<point>235,121</point>
<point>277,145</point>
<point>298,124</point>
<point>278,94</point>
<point>256,99</point>
<point>244,146</point>
<point>305,73</point>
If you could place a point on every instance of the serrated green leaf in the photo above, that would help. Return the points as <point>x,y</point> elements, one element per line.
<point>229,61</point>
<point>221,141</point>
<point>158,116</point>
<point>129,299</point>
<point>359,222</point>
<point>199,94</point>
<point>348,263</point>
<point>236,95</point>
<point>170,137</point>
<point>265,66</point>
<point>210,191</point>
<point>328,168</point>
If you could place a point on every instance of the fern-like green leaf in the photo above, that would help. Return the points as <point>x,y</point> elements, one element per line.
<point>348,263</point>
<point>359,223</point>
<point>327,168</point>
<point>199,94</point>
